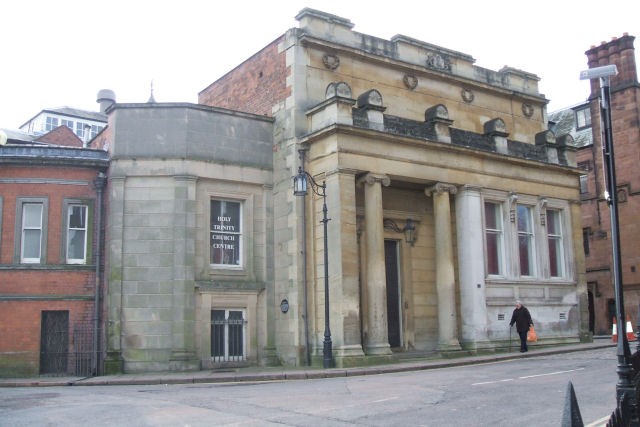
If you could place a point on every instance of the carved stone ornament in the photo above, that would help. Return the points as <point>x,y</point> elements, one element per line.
<point>467,95</point>
<point>331,61</point>
<point>441,187</point>
<point>527,109</point>
<point>372,178</point>
<point>438,62</point>
<point>410,81</point>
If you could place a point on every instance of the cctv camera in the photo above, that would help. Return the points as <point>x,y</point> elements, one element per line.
<point>598,72</point>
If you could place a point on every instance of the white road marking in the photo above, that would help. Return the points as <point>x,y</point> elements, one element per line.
<point>528,376</point>
<point>493,382</point>
<point>550,373</point>
<point>599,423</point>
<point>384,400</point>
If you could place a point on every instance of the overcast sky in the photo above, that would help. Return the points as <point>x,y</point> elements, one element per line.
<point>60,53</point>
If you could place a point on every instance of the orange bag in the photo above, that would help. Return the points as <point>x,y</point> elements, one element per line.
<point>531,335</point>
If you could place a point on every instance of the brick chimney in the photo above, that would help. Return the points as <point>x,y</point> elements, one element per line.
<point>618,51</point>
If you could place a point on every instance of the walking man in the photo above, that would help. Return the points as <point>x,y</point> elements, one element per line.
<point>522,319</point>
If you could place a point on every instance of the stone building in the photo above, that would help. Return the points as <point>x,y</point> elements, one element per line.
<point>447,196</point>
<point>625,116</point>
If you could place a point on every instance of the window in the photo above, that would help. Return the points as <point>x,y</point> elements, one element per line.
<point>226,234</point>
<point>493,237</point>
<point>51,124</point>
<point>67,123</point>
<point>586,232</point>
<point>584,184</point>
<point>80,130</point>
<point>76,234</point>
<point>525,241</point>
<point>95,129</point>
<point>554,238</point>
<point>228,335</point>
<point>31,239</point>
<point>583,118</point>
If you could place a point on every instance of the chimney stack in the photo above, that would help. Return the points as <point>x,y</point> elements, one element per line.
<point>106,98</point>
<point>619,52</point>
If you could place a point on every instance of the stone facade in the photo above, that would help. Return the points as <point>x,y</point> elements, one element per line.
<point>405,132</point>
<point>447,199</point>
<point>625,101</point>
<point>169,162</point>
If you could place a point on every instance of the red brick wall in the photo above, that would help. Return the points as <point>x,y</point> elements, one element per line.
<point>253,86</point>
<point>20,319</point>
<point>625,100</point>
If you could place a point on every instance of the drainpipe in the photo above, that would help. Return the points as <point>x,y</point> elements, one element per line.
<point>99,183</point>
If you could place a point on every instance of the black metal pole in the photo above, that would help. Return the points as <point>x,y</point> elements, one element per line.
<point>625,390</point>
<point>307,353</point>
<point>327,352</point>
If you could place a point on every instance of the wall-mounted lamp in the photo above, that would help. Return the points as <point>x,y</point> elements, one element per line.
<point>409,231</point>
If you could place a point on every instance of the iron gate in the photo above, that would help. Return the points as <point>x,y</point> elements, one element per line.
<point>59,356</point>
<point>228,335</point>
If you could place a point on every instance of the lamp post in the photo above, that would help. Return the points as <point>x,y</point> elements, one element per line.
<point>300,189</point>
<point>625,390</point>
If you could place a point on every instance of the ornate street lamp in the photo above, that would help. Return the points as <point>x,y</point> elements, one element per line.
<point>625,389</point>
<point>300,184</point>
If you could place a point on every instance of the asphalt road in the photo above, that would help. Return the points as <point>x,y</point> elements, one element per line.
<point>523,392</point>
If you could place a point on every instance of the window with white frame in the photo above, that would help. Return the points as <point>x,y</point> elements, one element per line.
<point>51,123</point>
<point>584,184</point>
<point>555,239</point>
<point>525,240</point>
<point>493,237</point>
<point>228,335</point>
<point>226,234</point>
<point>583,118</point>
<point>80,129</point>
<point>67,123</point>
<point>76,234</point>
<point>31,234</point>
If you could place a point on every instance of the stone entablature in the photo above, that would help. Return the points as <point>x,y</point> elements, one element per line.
<point>438,127</point>
<point>325,27</point>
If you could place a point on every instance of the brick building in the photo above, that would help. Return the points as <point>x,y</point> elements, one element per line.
<point>625,101</point>
<point>50,192</point>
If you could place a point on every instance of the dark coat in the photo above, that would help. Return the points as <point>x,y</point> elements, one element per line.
<point>521,318</point>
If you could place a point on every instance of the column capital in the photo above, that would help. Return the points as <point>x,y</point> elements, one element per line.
<point>440,187</point>
<point>371,178</point>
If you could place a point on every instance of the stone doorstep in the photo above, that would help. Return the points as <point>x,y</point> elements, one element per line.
<point>293,374</point>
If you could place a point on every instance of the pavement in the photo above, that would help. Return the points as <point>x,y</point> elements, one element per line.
<point>256,374</point>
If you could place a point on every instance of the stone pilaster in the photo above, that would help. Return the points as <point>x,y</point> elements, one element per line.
<point>183,355</point>
<point>343,265</point>
<point>471,272</point>
<point>114,362</point>
<point>445,280</point>
<point>377,340</point>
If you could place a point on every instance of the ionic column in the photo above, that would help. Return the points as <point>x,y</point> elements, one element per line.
<point>445,280</point>
<point>377,341</point>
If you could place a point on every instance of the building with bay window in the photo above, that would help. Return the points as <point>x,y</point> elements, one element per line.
<point>447,195</point>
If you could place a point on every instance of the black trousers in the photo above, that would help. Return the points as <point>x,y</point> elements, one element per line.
<point>523,340</point>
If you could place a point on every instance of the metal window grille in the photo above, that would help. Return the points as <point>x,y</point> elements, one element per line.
<point>228,335</point>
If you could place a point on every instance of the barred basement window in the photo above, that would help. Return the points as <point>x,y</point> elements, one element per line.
<point>228,332</point>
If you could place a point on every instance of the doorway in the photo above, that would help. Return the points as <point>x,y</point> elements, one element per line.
<point>54,342</point>
<point>394,325</point>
